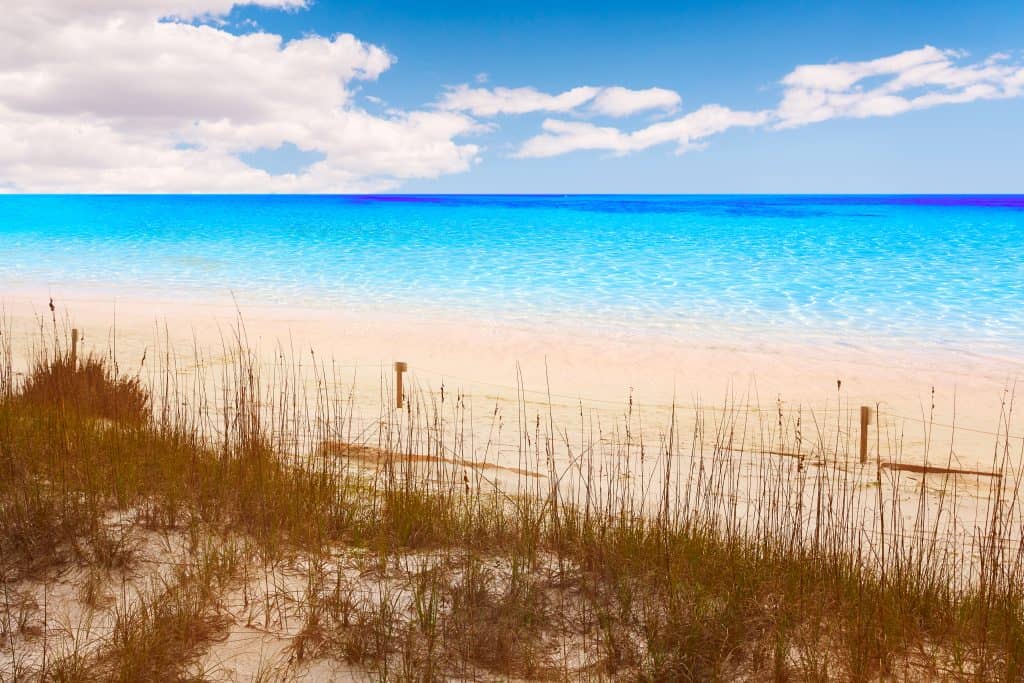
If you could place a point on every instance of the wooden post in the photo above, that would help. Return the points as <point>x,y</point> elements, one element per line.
<point>865,420</point>
<point>400,367</point>
<point>74,349</point>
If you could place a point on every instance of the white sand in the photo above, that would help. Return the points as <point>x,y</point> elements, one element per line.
<point>598,369</point>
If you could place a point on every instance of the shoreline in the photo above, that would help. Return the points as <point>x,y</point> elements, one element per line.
<point>103,302</point>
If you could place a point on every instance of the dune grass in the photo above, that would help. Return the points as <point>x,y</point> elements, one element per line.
<point>656,574</point>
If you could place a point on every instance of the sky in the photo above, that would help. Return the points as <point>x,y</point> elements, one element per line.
<point>331,96</point>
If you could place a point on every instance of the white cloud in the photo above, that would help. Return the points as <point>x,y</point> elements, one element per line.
<point>487,102</point>
<point>97,98</point>
<point>561,137</point>
<point>618,101</point>
<point>610,101</point>
<point>109,95</point>
<point>78,10</point>
<point>914,79</point>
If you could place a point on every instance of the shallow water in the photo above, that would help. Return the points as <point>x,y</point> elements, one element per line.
<point>944,271</point>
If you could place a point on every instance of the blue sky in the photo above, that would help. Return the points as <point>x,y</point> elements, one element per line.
<point>732,57</point>
<point>730,53</point>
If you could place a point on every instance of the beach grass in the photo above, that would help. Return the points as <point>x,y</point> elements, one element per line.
<point>190,513</point>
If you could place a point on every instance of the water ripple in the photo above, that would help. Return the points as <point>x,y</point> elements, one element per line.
<point>947,269</point>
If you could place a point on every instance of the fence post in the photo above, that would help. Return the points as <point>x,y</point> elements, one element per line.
<point>400,367</point>
<point>865,420</point>
<point>74,348</point>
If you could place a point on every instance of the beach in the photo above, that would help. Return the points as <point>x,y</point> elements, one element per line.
<point>582,466</point>
<point>409,342</point>
<point>946,395</point>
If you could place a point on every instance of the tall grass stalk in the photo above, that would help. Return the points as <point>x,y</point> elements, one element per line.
<point>737,543</point>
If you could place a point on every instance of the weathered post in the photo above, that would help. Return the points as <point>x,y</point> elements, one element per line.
<point>865,420</point>
<point>400,367</point>
<point>74,349</point>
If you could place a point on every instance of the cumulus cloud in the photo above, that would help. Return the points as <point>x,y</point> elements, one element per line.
<point>76,10</point>
<point>491,102</point>
<point>96,97</point>
<point>914,79</point>
<point>619,101</point>
<point>561,137</point>
<point>155,96</point>
<point>610,101</point>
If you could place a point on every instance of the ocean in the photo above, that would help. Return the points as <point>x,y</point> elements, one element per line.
<point>904,270</point>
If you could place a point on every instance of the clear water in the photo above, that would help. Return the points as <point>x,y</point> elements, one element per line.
<point>915,270</point>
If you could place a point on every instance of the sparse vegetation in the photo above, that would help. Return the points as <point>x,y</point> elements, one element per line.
<point>709,557</point>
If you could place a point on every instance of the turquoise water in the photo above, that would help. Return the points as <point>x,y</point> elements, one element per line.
<point>916,270</point>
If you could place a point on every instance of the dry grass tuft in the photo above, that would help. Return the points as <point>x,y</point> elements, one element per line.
<point>89,387</point>
<point>495,622</point>
<point>699,567</point>
<point>158,635</point>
